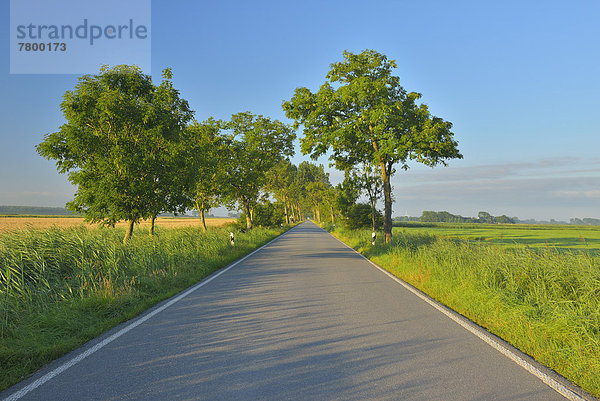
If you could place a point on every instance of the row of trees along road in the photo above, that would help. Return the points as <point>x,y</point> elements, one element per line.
<point>134,150</point>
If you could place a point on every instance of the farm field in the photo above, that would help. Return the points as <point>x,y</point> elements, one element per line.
<point>560,237</point>
<point>8,223</point>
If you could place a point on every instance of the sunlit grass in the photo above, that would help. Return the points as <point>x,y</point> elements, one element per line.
<point>61,287</point>
<point>563,237</point>
<point>543,301</point>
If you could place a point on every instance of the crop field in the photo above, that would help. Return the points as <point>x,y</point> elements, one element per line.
<point>8,223</point>
<point>560,237</point>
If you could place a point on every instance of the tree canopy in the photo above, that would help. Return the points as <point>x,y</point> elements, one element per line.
<point>362,114</point>
<point>118,145</point>
<point>255,145</point>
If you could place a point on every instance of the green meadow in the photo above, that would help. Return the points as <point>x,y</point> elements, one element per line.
<point>559,237</point>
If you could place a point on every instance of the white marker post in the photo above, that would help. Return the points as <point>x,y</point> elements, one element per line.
<point>232,239</point>
<point>373,237</point>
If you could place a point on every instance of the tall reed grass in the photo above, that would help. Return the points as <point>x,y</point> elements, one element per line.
<point>545,302</point>
<point>61,287</point>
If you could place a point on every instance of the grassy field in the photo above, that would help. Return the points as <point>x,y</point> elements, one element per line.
<point>543,299</point>
<point>60,287</point>
<point>9,223</point>
<point>562,237</point>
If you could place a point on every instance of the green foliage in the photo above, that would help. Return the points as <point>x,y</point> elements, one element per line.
<point>204,165</point>
<point>445,217</point>
<point>62,287</point>
<point>119,145</point>
<point>363,115</point>
<point>358,216</point>
<point>485,217</point>
<point>586,221</point>
<point>544,302</point>
<point>265,214</point>
<point>255,145</point>
<point>315,186</point>
<point>504,219</point>
<point>348,192</point>
<point>281,180</point>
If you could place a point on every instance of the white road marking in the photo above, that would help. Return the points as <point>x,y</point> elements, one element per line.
<point>50,375</point>
<point>468,325</point>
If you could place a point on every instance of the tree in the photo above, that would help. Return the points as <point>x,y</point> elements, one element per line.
<point>504,219</point>
<point>255,145</point>
<point>367,178</point>
<point>347,193</point>
<point>429,216</point>
<point>359,216</point>
<point>330,202</point>
<point>485,217</point>
<point>204,170</point>
<point>279,181</point>
<point>362,114</point>
<point>119,145</point>
<point>315,183</point>
<point>266,214</point>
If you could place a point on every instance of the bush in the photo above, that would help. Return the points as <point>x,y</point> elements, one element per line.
<point>359,216</point>
<point>265,215</point>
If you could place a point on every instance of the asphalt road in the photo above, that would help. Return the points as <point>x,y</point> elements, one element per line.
<point>305,318</point>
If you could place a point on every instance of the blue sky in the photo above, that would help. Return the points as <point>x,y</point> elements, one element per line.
<point>520,81</point>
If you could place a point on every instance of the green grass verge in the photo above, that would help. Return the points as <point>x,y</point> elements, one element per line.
<point>59,288</point>
<point>544,302</point>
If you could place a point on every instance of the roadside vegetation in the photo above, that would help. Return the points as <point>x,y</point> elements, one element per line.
<point>544,301</point>
<point>62,287</point>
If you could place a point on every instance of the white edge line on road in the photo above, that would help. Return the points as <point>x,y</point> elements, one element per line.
<point>468,325</point>
<point>50,375</point>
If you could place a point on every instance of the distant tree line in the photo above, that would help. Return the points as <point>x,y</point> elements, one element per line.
<point>482,217</point>
<point>485,217</point>
<point>585,222</point>
<point>34,210</point>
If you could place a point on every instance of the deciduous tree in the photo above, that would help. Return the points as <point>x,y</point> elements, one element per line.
<point>256,144</point>
<point>362,114</point>
<point>118,145</point>
<point>205,166</point>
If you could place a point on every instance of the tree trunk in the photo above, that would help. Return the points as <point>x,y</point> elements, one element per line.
<point>203,220</point>
<point>129,231</point>
<point>246,204</point>
<point>285,210</point>
<point>387,196</point>
<point>318,210</point>
<point>332,216</point>
<point>152,220</point>
<point>373,214</point>
<point>200,208</point>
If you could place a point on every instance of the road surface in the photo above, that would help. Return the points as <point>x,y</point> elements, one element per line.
<point>304,318</point>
